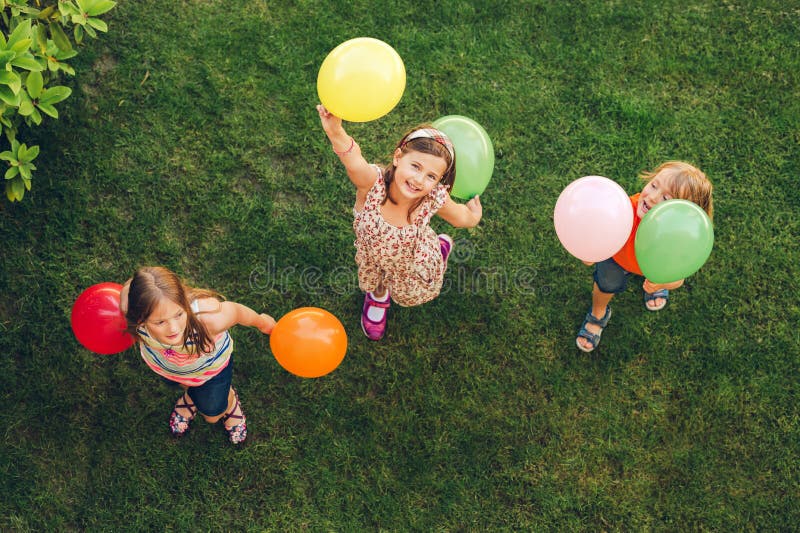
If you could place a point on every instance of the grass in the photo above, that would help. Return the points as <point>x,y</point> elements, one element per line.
<point>191,141</point>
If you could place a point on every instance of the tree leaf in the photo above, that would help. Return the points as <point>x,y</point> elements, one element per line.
<point>36,117</point>
<point>11,172</point>
<point>25,107</point>
<point>48,109</point>
<point>27,62</point>
<point>78,31</point>
<point>33,153</point>
<point>6,56</point>
<point>27,183</point>
<point>98,24</point>
<point>59,37</point>
<point>67,8</point>
<point>18,188</point>
<point>54,95</point>
<point>35,82</point>
<point>99,7</point>
<point>21,33</point>
<point>25,171</point>
<point>40,34</point>
<point>7,96</point>
<point>11,79</point>
<point>8,156</point>
<point>46,12</point>
<point>24,44</point>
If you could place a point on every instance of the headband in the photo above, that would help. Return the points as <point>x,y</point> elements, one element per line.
<point>434,134</point>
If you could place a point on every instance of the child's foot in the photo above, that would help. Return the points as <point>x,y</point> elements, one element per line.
<point>591,329</point>
<point>235,422</point>
<point>373,315</point>
<point>446,246</point>
<point>656,301</point>
<point>182,414</point>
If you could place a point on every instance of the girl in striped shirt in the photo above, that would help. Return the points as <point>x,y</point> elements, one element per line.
<point>183,337</point>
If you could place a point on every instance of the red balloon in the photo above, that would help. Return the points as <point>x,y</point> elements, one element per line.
<point>98,322</point>
<point>308,342</point>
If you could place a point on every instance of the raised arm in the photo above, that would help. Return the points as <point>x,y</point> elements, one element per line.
<point>462,215</point>
<point>358,169</point>
<point>220,316</point>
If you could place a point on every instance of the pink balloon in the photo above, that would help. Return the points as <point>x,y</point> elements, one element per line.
<point>593,218</point>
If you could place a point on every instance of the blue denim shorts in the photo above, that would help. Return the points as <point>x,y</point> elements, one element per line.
<point>610,277</point>
<point>211,398</point>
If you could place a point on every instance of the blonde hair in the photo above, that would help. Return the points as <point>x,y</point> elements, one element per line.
<point>686,182</point>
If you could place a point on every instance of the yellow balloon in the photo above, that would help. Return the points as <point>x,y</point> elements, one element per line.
<point>361,80</point>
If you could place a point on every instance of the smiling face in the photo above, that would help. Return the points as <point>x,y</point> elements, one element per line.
<point>416,174</point>
<point>167,322</point>
<point>657,190</point>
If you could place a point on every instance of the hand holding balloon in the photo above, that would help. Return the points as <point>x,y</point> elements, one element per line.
<point>267,325</point>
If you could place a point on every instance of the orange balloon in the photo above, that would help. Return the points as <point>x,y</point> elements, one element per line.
<point>308,342</point>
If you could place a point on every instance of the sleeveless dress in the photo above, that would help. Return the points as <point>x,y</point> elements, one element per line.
<point>180,364</point>
<point>407,259</point>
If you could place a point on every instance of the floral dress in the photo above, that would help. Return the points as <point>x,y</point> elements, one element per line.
<point>408,260</point>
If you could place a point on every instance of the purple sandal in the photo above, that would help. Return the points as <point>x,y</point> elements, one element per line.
<point>178,425</point>
<point>237,433</point>
<point>374,330</point>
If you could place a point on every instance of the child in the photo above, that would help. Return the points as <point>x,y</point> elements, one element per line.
<point>183,334</point>
<point>397,252</point>
<point>673,179</point>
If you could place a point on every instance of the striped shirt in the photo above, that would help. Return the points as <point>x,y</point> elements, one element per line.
<point>181,365</point>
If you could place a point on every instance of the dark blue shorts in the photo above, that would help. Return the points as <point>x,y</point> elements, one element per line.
<point>610,277</point>
<point>211,398</point>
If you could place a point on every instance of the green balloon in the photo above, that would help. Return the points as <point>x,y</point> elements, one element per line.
<point>474,154</point>
<point>673,241</point>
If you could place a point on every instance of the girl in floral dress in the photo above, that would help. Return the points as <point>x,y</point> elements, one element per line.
<point>398,254</point>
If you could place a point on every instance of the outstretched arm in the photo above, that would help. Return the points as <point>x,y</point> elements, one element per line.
<point>462,215</point>
<point>220,316</point>
<point>360,172</point>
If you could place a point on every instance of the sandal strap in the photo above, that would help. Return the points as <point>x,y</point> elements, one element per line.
<point>594,338</point>
<point>185,402</point>
<point>661,293</point>
<point>372,302</point>
<point>230,414</point>
<point>602,322</point>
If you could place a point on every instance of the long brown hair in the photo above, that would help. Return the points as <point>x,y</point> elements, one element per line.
<point>150,285</point>
<point>424,145</point>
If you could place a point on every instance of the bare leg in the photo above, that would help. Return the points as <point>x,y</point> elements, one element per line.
<point>380,291</point>
<point>600,302</point>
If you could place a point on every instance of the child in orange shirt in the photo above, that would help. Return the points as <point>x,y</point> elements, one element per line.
<point>673,179</point>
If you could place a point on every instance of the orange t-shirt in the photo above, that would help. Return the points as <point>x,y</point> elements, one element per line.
<point>626,257</point>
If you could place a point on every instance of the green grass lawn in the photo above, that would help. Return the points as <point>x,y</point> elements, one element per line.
<point>191,141</point>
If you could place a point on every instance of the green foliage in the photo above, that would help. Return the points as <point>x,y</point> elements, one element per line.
<point>34,47</point>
